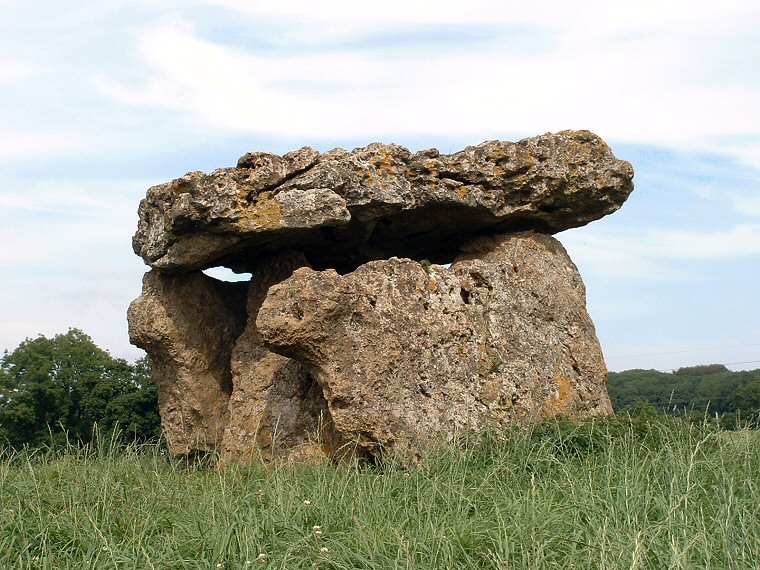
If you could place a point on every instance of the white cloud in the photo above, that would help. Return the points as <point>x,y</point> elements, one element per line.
<point>66,223</point>
<point>599,254</point>
<point>740,241</point>
<point>593,18</point>
<point>14,71</point>
<point>723,191</point>
<point>644,254</point>
<point>65,250</point>
<point>749,205</point>
<point>95,197</point>
<point>747,152</point>
<point>629,73</point>
<point>20,145</point>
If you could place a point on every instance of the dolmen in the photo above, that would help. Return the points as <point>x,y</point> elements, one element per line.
<point>396,299</point>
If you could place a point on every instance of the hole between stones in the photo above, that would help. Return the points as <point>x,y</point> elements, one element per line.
<point>226,274</point>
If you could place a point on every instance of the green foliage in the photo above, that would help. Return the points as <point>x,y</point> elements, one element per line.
<point>746,400</point>
<point>637,490</point>
<point>701,370</point>
<point>747,396</point>
<point>697,390</point>
<point>56,389</point>
<point>642,424</point>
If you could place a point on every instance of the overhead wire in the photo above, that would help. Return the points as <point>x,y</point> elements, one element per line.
<point>688,350</point>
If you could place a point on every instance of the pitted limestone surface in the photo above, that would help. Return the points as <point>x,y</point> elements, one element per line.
<point>350,337</point>
<point>342,209</point>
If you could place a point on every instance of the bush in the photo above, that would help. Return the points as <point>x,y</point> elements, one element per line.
<point>53,390</point>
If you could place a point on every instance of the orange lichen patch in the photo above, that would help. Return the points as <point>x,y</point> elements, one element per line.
<point>431,166</point>
<point>264,213</point>
<point>498,170</point>
<point>432,284</point>
<point>385,163</point>
<point>244,194</point>
<point>463,190</point>
<point>485,361</point>
<point>559,404</point>
<point>491,390</point>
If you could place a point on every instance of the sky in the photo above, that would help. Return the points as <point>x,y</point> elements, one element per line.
<point>100,100</point>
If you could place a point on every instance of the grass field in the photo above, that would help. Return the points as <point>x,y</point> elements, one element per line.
<point>617,493</point>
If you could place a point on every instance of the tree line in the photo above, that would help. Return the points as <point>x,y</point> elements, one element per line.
<point>56,390</point>
<point>696,391</point>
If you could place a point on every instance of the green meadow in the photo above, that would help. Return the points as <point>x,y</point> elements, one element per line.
<point>640,491</point>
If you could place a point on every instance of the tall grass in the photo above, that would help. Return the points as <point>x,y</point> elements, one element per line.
<point>615,493</point>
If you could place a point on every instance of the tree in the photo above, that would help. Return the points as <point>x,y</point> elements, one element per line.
<point>701,370</point>
<point>136,409</point>
<point>54,388</point>
<point>747,397</point>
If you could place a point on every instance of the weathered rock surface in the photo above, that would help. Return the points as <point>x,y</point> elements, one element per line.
<point>188,324</point>
<point>342,208</point>
<point>342,340</point>
<point>276,407</point>
<point>405,352</point>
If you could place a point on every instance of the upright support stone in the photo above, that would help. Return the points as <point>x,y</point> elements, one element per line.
<point>407,353</point>
<point>276,408</point>
<point>188,324</point>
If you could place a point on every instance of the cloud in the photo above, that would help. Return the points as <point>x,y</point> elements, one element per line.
<point>18,145</point>
<point>749,205</point>
<point>66,253</point>
<point>594,18</point>
<point>629,73</point>
<point>646,254</point>
<point>740,241</point>
<point>78,197</point>
<point>67,223</point>
<point>15,71</point>
<point>734,190</point>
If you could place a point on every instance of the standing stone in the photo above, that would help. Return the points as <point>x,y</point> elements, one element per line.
<point>276,408</point>
<point>188,324</point>
<point>406,352</point>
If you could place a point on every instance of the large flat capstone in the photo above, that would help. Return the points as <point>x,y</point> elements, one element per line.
<point>341,209</point>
